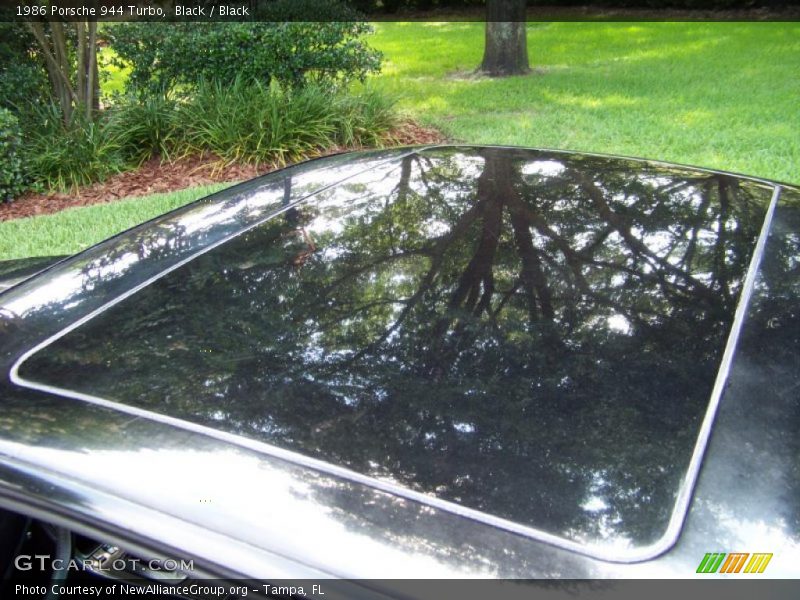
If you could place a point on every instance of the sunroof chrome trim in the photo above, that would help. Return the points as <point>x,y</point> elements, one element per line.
<point>642,553</point>
<point>687,487</point>
<point>332,469</point>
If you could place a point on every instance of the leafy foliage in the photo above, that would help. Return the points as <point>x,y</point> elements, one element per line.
<point>13,180</point>
<point>48,59</point>
<point>255,123</point>
<point>366,118</point>
<point>170,56</point>
<point>255,92</point>
<point>62,156</point>
<point>145,128</point>
<point>23,80</point>
<point>243,121</point>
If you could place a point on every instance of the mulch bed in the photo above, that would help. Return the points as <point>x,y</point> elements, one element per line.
<point>155,177</point>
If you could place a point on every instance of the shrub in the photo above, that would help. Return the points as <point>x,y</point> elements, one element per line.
<point>23,79</point>
<point>243,121</point>
<point>144,128</point>
<point>165,57</point>
<point>255,123</point>
<point>61,156</point>
<point>365,119</point>
<point>13,181</point>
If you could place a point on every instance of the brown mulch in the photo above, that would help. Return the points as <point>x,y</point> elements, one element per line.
<point>410,133</point>
<point>152,177</point>
<point>155,176</point>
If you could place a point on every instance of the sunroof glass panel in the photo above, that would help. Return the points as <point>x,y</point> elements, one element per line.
<point>531,335</point>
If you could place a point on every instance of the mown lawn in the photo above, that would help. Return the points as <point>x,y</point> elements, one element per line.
<point>719,95</point>
<point>74,229</point>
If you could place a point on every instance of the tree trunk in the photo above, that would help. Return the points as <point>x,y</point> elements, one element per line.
<point>81,60</point>
<point>92,97</point>
<point>506,49</point>
<point>54,59</point>
<point>79,90</point>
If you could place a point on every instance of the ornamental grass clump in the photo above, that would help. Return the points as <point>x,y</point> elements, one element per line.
<point>250,122</point>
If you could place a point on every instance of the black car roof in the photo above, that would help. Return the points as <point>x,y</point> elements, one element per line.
<point>530,337</point>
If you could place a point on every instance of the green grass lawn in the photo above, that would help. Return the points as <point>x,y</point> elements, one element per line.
<point>719,95</point>
<point>74,229</point>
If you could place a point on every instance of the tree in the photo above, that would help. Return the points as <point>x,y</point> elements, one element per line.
<point>506,49</point>
<point>23,77</point>
<point>73,73</point>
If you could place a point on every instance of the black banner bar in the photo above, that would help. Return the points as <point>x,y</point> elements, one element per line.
<point>348,10</point>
